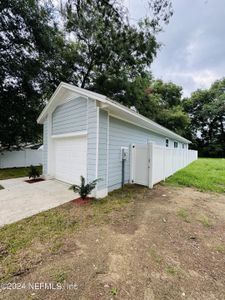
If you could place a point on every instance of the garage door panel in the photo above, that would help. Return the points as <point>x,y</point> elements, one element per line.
<point>70,159</point>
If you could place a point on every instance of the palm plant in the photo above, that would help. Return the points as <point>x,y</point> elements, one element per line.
<point>33,172</point>
<point>84,189</point>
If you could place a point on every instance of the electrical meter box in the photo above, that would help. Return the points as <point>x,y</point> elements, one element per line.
<point>124,153</point>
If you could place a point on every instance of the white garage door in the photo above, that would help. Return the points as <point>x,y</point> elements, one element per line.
<point>70,159</point>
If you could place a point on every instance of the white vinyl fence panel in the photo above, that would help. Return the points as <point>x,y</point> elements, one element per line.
<point>21,158</point>
<point>167,161</point>
<point>158,162</point>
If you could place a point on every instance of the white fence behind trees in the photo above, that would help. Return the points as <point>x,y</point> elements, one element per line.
<point>157,162</point>
<point>20,158</point>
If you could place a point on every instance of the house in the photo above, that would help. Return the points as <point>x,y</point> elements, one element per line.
<point>87,134</point>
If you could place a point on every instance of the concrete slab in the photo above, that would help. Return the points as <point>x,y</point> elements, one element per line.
<point>20,199</point>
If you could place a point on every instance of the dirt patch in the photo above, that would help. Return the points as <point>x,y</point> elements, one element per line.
<point>167,243</point>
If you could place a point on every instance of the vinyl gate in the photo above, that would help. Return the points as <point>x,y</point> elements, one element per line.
<point>152,163</point>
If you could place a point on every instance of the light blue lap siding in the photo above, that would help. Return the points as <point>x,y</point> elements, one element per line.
<point>45,147</point>
<point>102,152</point>
<point>124,134</point>
<point>92,140</point>
<point>70,117</point>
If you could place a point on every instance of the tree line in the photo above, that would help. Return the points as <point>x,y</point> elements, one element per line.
<point>94,44</point>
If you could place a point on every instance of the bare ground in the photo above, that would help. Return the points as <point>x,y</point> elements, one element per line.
<point>169,243</point>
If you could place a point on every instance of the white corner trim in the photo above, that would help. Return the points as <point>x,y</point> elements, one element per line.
<point>87,137</point>
<point>107,153</point>
<point>67,135</point>
<point>97,143</point>
<point>50,147</point>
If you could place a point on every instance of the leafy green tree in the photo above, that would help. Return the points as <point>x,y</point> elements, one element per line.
<point>25,40</point>
<point>207,113</point>
<point>139,94</point>
<point>170,112</point>
<point>159,101</point>
<point>110,51</point>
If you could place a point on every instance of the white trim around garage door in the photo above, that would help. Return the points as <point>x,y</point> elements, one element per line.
<point>67,135</point>
<point>70,158</point>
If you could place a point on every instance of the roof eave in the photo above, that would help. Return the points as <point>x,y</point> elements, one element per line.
<point>151,124</point>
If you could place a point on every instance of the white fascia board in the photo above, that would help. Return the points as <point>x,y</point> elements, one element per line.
<point>85,92</point>
<point>45,110</point>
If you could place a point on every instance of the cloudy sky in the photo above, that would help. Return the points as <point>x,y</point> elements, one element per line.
<point>193,51</point>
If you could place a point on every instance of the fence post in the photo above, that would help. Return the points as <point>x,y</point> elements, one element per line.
<point>150,164</point>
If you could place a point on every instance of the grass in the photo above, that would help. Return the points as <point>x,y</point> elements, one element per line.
<point>205,221</point>
<point>15,172</point>
<point>60,276</point>
<point>183,213</point>
<point>171,270</point>
<point>220,248</point>
<point>155,256</point>
<point>25,243</point>
<point>205,174</point>
<point>114,291</point>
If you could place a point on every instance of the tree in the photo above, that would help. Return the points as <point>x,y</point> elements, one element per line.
<point>111,51</point>
<point>28,45</point>
<point>170,112</point>
<point>159,101</point>
<point>139,94</point>
<point>207,112</point>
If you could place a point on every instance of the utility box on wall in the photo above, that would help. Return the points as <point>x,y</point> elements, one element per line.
<point>124,153</point>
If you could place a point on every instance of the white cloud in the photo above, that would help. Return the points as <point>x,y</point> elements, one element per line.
<point>193,52</point>
<point>204,79</point>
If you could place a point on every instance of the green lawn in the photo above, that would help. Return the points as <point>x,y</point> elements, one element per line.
<point>205,174</point>
<point>15,172</point>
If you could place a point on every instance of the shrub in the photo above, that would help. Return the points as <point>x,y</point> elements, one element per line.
<point>33,172</point>
<point>84,189</point>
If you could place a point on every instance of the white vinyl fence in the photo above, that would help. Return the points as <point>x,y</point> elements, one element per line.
<point>151,163</point>
<point>21,158</point>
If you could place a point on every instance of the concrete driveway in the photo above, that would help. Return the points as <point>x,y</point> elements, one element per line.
<point>20,199</point>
